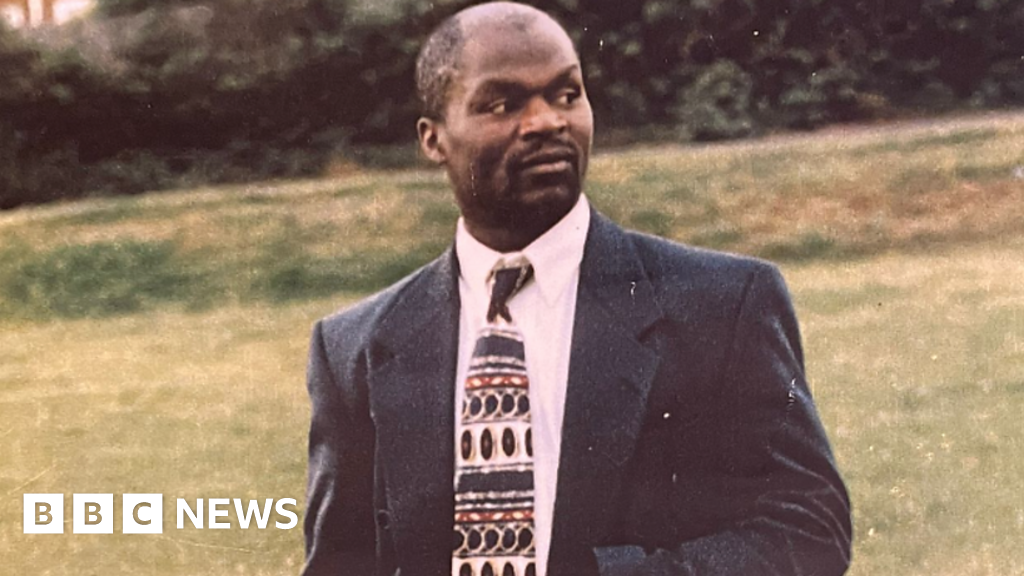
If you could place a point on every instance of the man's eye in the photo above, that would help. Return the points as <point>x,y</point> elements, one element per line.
<point>498,107</point>
<point>567,96</point>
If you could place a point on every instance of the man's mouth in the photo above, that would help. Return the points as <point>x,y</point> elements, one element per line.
<point>547,162</point>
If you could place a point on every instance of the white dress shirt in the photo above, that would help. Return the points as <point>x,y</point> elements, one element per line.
<point>543,310</point>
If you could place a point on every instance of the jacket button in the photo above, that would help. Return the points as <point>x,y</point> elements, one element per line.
<point>383,519</point>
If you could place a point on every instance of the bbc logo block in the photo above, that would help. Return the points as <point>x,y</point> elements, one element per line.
<point>93,513</point>
<point>44,513</point>
<point>142,514</point>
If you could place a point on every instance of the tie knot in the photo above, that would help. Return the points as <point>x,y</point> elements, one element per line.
<point>507,281</point>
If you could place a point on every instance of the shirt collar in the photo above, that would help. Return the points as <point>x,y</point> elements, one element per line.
<point>555,255</point>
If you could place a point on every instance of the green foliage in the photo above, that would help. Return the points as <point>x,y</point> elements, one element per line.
<point>40,95</point>
<point>163,93</point>
<point>95,280</point>
<point>828,95</point>
<point>717,104</point>
<point>128,7</point>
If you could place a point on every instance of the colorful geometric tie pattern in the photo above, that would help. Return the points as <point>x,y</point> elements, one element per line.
<point>494,455</point>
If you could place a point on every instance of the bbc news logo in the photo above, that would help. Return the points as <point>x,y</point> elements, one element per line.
<point>143,513</point>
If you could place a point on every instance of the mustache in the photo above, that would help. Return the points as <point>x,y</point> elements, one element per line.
<point>550,150</point>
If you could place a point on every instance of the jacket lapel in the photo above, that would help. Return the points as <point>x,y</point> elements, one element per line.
<point>610,373</point>
<point>412,379</point>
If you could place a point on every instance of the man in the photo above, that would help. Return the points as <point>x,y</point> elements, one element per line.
<point>555,395</point>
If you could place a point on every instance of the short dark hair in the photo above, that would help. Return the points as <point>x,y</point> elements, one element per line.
<point>438,60</point>
<point>436,64</point>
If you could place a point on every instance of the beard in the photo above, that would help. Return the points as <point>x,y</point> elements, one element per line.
<point>524,190</point>
<point>527,200</point>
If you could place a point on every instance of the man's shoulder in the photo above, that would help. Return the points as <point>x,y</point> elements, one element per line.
<point>371,311</point>
<point>669,261</point>
<point>691,282</point>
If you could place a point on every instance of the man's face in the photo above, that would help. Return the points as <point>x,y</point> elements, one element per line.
<point>517,130</point>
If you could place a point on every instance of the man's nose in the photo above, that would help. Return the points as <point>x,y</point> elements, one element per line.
<point>540,118</point>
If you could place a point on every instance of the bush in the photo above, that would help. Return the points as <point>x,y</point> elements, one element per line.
<point>156,94</point>
<point>717,104</point>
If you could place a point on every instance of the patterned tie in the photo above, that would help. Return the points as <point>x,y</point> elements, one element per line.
<point>494,467</point>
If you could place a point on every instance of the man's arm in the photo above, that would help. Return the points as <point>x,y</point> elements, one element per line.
<point>339,525</point>
<point>795,512</point>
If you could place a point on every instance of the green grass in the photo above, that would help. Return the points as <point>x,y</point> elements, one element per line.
<point>918,366</point>
<point>189,405</point>
<point>831,196</point>
<point>158,343</point>
<point>98,279</point>
<point>917,363</point>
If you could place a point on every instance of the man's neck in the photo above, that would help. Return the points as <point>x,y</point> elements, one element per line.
<point>516,235</point>
<point>504,240</point>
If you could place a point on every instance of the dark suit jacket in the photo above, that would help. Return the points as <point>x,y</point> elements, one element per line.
<point>690,442</point>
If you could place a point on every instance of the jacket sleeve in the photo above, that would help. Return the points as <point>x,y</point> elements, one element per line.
<point>794,509</point>
<point>339,525</point>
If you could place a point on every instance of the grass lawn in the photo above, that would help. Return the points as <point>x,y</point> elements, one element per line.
<point>157,343</point>
<point>917,362</point>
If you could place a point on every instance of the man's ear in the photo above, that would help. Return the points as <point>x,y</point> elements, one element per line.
<point>430,139</point>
